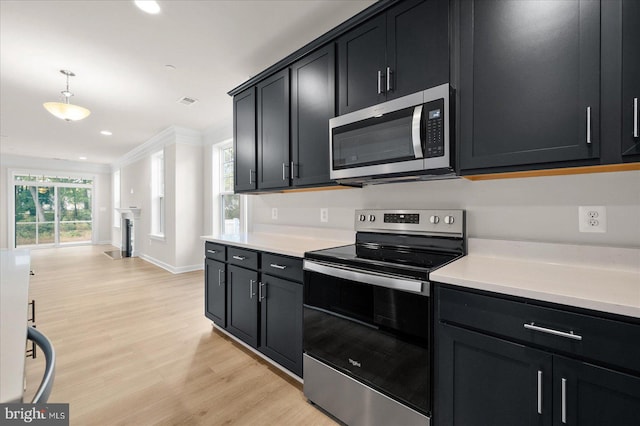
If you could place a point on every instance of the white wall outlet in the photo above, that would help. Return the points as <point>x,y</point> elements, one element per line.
<point>324,215</point>
<point>592,218</point>
<point>274,213</point>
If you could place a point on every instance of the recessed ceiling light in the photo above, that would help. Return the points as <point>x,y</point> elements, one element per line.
<point>149,6</point>
<point>106,133</point>
<point>82,158</point>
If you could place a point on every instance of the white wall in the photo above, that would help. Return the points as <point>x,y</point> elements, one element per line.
<point>531,209</point>
<point>102,186</point>
<point>181,248</point>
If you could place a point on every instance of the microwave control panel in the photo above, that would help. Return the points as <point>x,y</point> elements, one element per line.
<point>434,128</point>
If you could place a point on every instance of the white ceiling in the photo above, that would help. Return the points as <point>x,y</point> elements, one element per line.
<point>119,53</point>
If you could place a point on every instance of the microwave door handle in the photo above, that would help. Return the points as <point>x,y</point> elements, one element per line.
<point>415,132</point>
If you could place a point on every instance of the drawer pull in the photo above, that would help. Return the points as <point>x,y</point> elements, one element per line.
<point>564,400</point>
<point>539,392</point>
<point>568,335</point>
<point>275,265</point>
<point>212,251</point>
<point>239,257</point>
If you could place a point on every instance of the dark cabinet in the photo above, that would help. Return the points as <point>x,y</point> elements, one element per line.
<point>242,304</point>
<point>501,361</point>
<point>485,381</point>
<point>215,292</point>
<point>281,322</point>
<point>402,51</point>
<point>529,83</point>
<point>630,78</point>
<point>312,105</point>
<point>244,140</point>
<point>273,131</point>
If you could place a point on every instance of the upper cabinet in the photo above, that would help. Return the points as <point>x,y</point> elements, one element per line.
<point>399,52</point>
<point>312,105</point>
<point>273,131</point>
<point>630,78</point>
<point>529,83</point>
<point>244,140</point>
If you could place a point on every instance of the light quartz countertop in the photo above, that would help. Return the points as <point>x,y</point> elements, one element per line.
<point>604,279</point>
<point>14,297</point>
<point>285,243</point>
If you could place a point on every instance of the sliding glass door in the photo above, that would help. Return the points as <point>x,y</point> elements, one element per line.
<point>52,211</point>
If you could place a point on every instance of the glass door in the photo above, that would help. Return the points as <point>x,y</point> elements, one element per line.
<point>74,212</point>
<point>35,215</point>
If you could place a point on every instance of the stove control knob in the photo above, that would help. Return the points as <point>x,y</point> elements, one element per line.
<point>434,219</point>
<point>372,218</point>
<point>362,218</point>
<point>449,220</point>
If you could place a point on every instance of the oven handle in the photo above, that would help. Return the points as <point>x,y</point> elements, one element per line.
<point>372,278</point>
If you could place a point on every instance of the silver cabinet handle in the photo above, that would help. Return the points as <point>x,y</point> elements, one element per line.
<point>389,88</point>
<point>588,125</point>
<point>251,176</point>
<point>569,335</point>
<point>275,265</point>
<point>379,82</point>
<point>539,392</point>
<point>635,118</point>
<point>212,251</point>
<point>291,173</point>
<point>415,132</point>
<point>261,293</point>
<point>564,400</point>
<point>239,257</point>
<point>220,280</point>
<point>251,293</point>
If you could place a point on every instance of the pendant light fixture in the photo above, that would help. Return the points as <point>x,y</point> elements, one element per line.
<point>65,110</point>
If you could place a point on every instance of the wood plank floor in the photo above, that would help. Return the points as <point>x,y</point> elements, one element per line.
<point>134,348</point>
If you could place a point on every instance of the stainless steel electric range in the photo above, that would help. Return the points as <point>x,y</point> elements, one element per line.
<point>368,316</point>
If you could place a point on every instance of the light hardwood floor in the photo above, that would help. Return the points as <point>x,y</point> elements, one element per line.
<point>134,348</point>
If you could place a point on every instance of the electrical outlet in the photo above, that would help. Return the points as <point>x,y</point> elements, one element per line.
<point>324,215</point>
<point>274,213</point>
<point>592,218</point>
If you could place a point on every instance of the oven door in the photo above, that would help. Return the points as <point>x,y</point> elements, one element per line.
<point>375,331</point>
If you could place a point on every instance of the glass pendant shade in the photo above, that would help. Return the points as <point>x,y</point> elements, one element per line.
<point>67,112</point>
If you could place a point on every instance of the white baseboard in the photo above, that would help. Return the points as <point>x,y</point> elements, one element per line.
<point>171,268</point>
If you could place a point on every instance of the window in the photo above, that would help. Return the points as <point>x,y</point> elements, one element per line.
<point>157,194</point>
<point>230,203</point>
<point>116,199</point>
<point>52,210</point>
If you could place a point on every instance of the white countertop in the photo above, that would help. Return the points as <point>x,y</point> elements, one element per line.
<point>280,243</point>
<point>600,278</point>
<point>14,297</point>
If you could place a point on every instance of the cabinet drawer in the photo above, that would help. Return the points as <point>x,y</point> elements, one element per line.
<point>214,251</point>
<point>613,342</point>
<point>244,258</point>
<point>282,266</point>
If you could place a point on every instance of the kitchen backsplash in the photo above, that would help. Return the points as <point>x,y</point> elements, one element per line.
<point>531,209</point>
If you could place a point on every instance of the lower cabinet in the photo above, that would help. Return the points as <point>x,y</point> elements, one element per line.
<point>215,292</point>
<point>484,377</point>
<point>257,297</point>
<point>281,322</point>
<point>242,304</point>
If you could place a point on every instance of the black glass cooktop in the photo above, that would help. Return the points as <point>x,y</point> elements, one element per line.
<point>404,255</point>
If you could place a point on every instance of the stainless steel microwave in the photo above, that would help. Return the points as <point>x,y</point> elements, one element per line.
<point>408,138</point>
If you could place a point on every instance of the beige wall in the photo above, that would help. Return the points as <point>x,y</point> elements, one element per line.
<point>532,209</point>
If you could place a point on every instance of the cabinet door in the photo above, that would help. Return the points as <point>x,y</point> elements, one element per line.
<point>481,380</point>
<point>242,302</point>
<point>273,131</point>
<point>417,46</point>
<point>361,66</point>
<point>630,77</point>
<point>281,322</point>
<point>312,105</point>
<point>244,140</point>
<point>529,82</point>
<point>215,292</point>
<point>593,396</point>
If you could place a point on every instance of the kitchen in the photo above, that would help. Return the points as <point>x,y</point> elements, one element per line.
<point>541,209</point>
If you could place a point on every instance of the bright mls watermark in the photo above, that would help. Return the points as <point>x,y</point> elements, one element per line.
<point>34,414</point>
